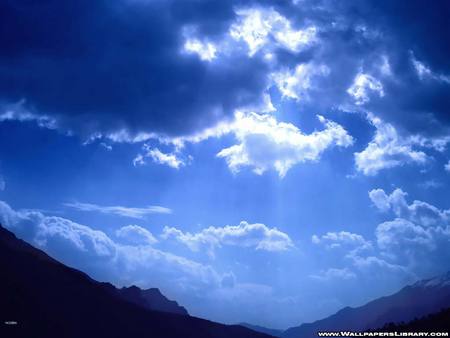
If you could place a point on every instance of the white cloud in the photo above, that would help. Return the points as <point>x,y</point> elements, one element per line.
<point>430,184</point>
<point>296,84</point>
<point>107,146</point>
<point>387,149</point>
<point>127,263</point>
<point>362,85</point>
<point>265,143</point>
<point>257,236</point>
<point>261,27</point>
<point>414,243</point>
<point>385,66</point>
<point>424,72</point>
<point>376,267</point>
<point>447,166</point>
<point>420,233</point>
<point>418,212</point>
<point>205,50</point>
<point>157,156</point>
<point>342,239</point>
<point>120,210</point>
<point>333,273</point>
<point>17,112</point>
<point>136,235</point>
<point>402,233</point>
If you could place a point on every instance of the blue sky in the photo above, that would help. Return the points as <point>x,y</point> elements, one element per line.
<point>261,161</point>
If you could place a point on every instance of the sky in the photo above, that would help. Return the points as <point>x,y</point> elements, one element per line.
<point>261,161</point>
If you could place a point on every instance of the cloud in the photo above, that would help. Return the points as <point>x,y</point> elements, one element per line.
<point>342,239</point>
<point>424,73</point>
<point>387,150</point>
<point>362,85</point>
<point>298,83</point>
<point>175,69</point>
<point>419,212</point>
<point>447,166</point>
<point>134,75</point>
<point>206,51</point>
<point>413,244</point>
<point>259,27</point>
<point>402,233</point>
<point>257,236</point>
<point>124,262</point>
<point>120,210</point>
<point>265,143</point>
<point>430,184</point>
<point>83,246</point>
<point>333,274</point>
<point>136,235</point>
<point>17,112</point>
<point>419,234</point>
<point>170,159</point>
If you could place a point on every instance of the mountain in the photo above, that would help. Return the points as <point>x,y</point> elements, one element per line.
<point>272,332</point>
<point>417,300</point>
<point>40,297</point>
<point>437,322</point>
<point>151,299</point>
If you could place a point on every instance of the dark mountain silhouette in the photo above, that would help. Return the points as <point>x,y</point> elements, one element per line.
<point>437,322</point>
<point>151,299</point>
<point>40,297</point>
<point>422,298</point>
<point>272,332</point>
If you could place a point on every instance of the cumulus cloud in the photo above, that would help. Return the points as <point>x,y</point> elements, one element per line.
<point>265,143</point>
<point>157,156</point>
<point>259,27</point>
<point>257,236</point>
<point>86,246</point>
<point>362,85</point>
<point>342,239</point>
<point>136,235</point>
<point>402,233</point>
<point>387,149</point>
<point>132,259</point>
<point>418,211</point>
<point>414,243</point>
<point>206,51</point>
<point>123,211</point>
<point>418,237</point>
<point>297,83</point>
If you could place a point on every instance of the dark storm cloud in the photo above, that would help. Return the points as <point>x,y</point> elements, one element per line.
<point>418,29</point>
<point>357,35</point>
<point>104,65</point>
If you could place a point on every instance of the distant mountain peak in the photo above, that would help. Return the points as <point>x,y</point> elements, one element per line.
<point>437,281</point>
<point>151,299</point>
<point>419,299</point>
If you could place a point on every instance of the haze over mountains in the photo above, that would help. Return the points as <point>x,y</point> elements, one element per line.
<point>44,298</point>
<point>48,299</point>
<point>414,301</point>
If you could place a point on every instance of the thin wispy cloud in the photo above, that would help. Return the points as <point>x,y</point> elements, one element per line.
<point>119,210</point>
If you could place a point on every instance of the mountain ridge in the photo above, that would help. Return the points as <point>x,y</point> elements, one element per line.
<point>419,299</point>
<point>45,298</point>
